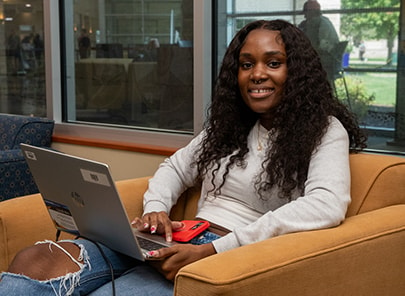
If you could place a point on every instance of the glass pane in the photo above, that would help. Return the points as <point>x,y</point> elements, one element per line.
<point>358,45</point>
<point>22,82</point>
<point>132,63</point>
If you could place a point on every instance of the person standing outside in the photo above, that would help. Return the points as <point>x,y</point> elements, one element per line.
<point>362,51</point>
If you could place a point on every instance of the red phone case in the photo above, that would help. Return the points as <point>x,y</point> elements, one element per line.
<point>191,229</point>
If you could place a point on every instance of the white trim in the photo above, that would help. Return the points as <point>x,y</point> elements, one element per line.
<point>52,60</point>
<point>202,61</point>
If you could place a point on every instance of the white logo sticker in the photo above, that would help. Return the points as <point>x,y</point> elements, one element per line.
<point>94,177</point>
<point>31,155</point>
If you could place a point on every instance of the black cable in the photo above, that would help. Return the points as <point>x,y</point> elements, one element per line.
<point>57,235</point>
<point>106,260</point>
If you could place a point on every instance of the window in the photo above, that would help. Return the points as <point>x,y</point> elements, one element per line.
<point>130,63</point>
<point>146,55</point>
<point>366,76</point>
<point>116,88</point>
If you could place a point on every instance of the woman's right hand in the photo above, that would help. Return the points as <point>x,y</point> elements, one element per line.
<point>157,222</point>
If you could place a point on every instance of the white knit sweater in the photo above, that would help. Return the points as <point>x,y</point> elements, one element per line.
<point>240,209</point>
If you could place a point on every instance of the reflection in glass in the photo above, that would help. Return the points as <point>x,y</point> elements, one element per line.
<point>22,78</point>
<point>364,65</point>
<point>138,71</point>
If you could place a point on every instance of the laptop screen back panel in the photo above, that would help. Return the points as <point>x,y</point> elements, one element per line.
<point>86,190</point>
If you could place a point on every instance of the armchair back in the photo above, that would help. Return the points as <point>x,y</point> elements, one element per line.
<point>16,129</point>
<point>15,176</point>
<point>377,181</point>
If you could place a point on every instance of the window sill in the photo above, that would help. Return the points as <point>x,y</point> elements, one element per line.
<point>100,143</point>
<point>150,142</point>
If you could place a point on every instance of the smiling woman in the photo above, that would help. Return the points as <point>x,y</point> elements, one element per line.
<point>269,140</point>
<point>262,73</point>
<point>282,58</point>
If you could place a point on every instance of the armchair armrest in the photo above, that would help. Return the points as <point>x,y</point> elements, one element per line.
<point>364,255</point>
<point>23,221</point>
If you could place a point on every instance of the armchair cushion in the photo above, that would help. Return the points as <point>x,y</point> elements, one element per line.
<point>363,256</point>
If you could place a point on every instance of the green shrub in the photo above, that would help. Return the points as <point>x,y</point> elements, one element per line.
<point>357,99</point>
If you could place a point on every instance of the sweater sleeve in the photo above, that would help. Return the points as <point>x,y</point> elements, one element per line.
<point>324,203</point>
<point>172,178</point>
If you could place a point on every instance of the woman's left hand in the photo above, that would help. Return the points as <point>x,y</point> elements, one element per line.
<point>168,261</point>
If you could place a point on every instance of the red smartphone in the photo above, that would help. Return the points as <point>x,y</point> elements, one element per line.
<point>190,229</point>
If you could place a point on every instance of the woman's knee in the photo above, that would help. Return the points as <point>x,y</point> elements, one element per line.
<point>46,260</point>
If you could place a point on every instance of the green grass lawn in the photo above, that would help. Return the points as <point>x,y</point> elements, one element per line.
<point>382,85</point>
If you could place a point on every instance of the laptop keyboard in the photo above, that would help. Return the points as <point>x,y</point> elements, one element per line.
<point>149,245</point>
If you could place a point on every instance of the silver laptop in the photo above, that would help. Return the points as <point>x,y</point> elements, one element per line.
<point>82,199</point>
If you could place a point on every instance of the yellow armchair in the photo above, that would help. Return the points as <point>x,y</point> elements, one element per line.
<point>365,255</point>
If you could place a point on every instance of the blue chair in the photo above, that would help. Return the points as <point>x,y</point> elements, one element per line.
<point>15,176</point>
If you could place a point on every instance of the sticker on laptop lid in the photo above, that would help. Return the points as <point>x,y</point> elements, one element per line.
<point>30,155</point>
<point>61,216</point>
<point>95,177</point>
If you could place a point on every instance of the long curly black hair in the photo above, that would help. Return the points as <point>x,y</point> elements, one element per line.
<point>300,120</point>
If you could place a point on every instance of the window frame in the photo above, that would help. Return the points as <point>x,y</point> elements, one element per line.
<point>55,92</point>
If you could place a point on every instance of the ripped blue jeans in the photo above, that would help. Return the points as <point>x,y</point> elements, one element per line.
<point>94,273</point>
<point>132,277</point>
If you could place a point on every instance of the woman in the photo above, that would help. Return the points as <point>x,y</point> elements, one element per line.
<point>272,159</point>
